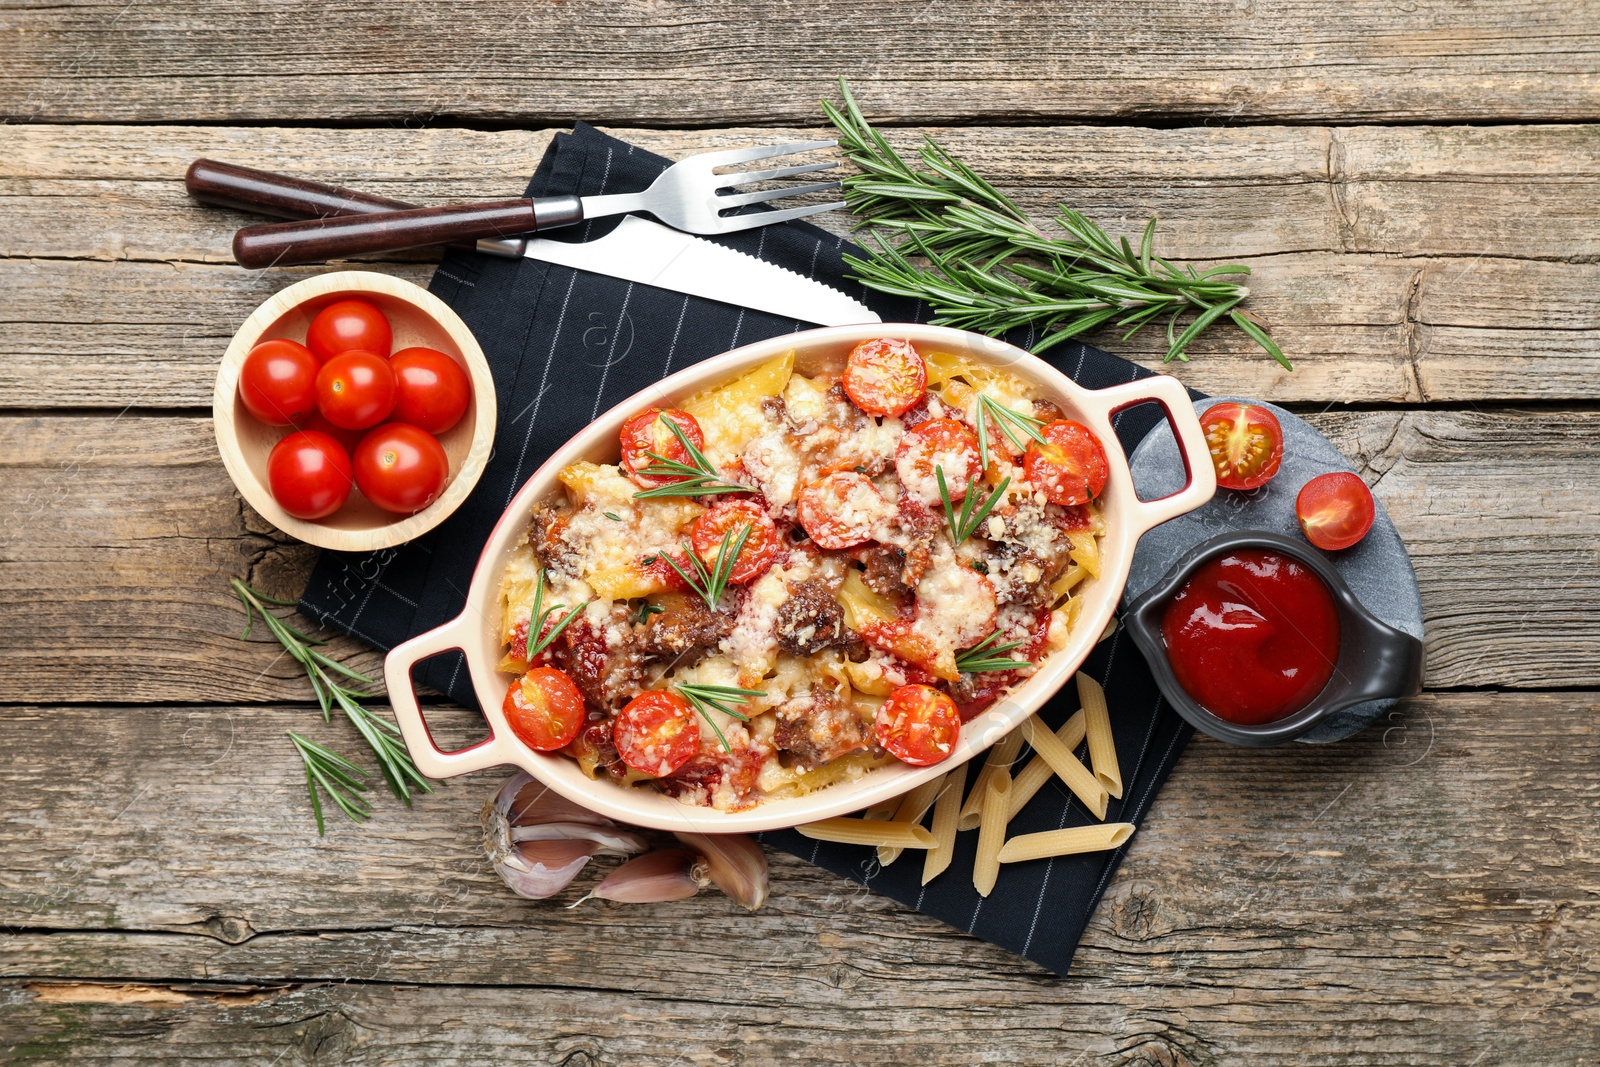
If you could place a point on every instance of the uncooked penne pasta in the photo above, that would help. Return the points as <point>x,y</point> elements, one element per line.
<point>1065,842</point>
<point>992,830</point>
<point>1038,772</point>
<point>867,832</point>
<point>946,813</point>
<point>1111,628</point>
<point>1102,746</point>
<point>1084,785</point>
<point>882,810</point>
<point>1002,755</point>
<point>912,807</point>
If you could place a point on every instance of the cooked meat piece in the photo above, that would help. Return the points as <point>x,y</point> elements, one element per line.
<point>811,619</point>
<point>1017,574</point>
<point>684,630</point>
<point>884,567</point>
<point>545,535</point>
<point>775,410</point>
<point>818,727</point>
<point>607,677</point>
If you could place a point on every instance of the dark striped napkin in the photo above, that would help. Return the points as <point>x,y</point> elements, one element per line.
<point>566,345</point>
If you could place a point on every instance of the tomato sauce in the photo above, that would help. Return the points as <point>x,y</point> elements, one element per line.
<point>1252,636</point>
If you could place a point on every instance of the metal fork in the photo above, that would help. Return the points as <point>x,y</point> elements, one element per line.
<point>687,196</point>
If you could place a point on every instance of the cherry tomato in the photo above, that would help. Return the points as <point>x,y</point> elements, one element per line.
<point>647,432</point>
<point>309,474</point>
<point>431,389</point>
<point>885,377</point>
<point>545,709</point>
<point>347,324</point>
<point>1246,444</point>
<point>355,390</point>
<point>319,422</point>
<point>760,546</point>
<point>401,468</point>
<point>841,510</point>
<point>656,733</point>
<point>918,725</point>
<point>661,571</point>
<point>278,382</point>
<point>937,445</point>
<point>1335,510</point>
<point>1071,467</point>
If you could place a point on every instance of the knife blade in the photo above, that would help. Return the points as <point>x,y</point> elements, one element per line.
<point>647,252</point>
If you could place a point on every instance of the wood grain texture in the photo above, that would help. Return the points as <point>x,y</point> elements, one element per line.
<point>716,62</point>
<point>1395,264</point>
<point>118,537</point>
<point>1304,905</point>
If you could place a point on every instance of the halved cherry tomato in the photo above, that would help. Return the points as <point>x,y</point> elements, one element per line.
<point>347,324</point>
<point>656,733</point>
<point>278,382</point>
<point>1246,443</point>
<point>355,390</point>
<point>545,709</point>
<point>885,377</point>
<point>841,510</point>
<point>431,389</point>
<point>309,474</point>
<point>656,566</point>
<point>1335,510</point>
<point>401,468</point>
<point>934,446</point>
<point>918,725</point>
<point>646,432</point>
<point>760,546</point>
<point>1070,467</point>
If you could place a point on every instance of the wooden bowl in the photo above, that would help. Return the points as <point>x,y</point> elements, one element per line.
<point>417,318</point>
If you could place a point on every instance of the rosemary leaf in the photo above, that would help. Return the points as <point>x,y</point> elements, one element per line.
<point>988,656</point>
<point>703,698</point>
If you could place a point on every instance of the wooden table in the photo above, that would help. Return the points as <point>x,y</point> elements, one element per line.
<point>1417,187</point>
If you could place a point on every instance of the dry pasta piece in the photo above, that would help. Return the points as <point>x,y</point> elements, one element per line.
<point>1066,842</point>
<point>1076,776</point>
<point>1102,746</point>
<point>946,813</point>
<point>1038,772</point>
<point>992,831</point>
<point>1111,628</point>
<point>1001,756</point>
<point>913,806</point>
<point>882,810</point>
<point>867,832</point>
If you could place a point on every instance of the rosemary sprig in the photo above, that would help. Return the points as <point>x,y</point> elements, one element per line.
<point>988,656</point>
<point>338,777</point>
<point>986,267</point>
<point>696,478</point>
<point>710,583</point>
<point>380,734</point>
<point>703,698</point>
<point>1017,427</point>
<point>972,513</point>
<point>538,640</point>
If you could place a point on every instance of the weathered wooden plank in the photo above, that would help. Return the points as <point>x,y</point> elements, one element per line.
<point>1421,893</point>
<point>118,537</point>
<point>767,62</point>
<point>1394,264</point>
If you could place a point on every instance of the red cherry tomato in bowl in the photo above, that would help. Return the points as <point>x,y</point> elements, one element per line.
<point>1246,444</point>
<point>918,725</point>
<point>401,468</point>
<point>656,733</point>
<point>309,474</point>
<point>1335,510</point>
<point>278,382</point>
<point>885,377</point>
<point>355,390</point>
<point>760,545</point>
<point>347,324</point>
<point>1070,467</point>
<point>319,422</point>
<point>648,432</point>
<point>545,709</point>
<point>431,389</point>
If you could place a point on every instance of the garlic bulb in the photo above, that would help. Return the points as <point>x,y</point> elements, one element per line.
<point>538,840</point>
<point>735,862</point>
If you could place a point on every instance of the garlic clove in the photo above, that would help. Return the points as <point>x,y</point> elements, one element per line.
<point>538,840</point>
<point>735,862</point>
<point>525,801</point>
<point>662,875</point>
<point>542,868</point>
<point>607,839</point>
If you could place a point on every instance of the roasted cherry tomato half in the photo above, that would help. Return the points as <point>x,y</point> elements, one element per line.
<point>545,709</point>
<point>760,545</point>
<point>918,725</point>
<point>656,733</point>
<point>885,377</point>
<point>648,432</point>
<point>1335,510</point>
<point>401,468</point>
<point>932,447</point>
<point>431,389</point>
<point>309,474</point>
<point>355,390</point>
<point>1246,443</point>
<point>841,510</point>
<point>347,324</point>
<point>278,382</point>
<point>1070,467</point>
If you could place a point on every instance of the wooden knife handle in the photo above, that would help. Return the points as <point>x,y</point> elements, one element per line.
<point>278,195</point>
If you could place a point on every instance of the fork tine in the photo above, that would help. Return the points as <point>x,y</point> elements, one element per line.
<point>767,218</point>
<point>763,195</point>
<point>749,176</point>
<point>746,155</point>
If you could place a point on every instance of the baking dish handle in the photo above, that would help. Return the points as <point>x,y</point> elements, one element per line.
<point>431,760</point>
<point>1201,483</point>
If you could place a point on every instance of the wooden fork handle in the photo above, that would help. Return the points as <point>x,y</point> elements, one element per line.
<point>315,240</point>
<point>278,195</point>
